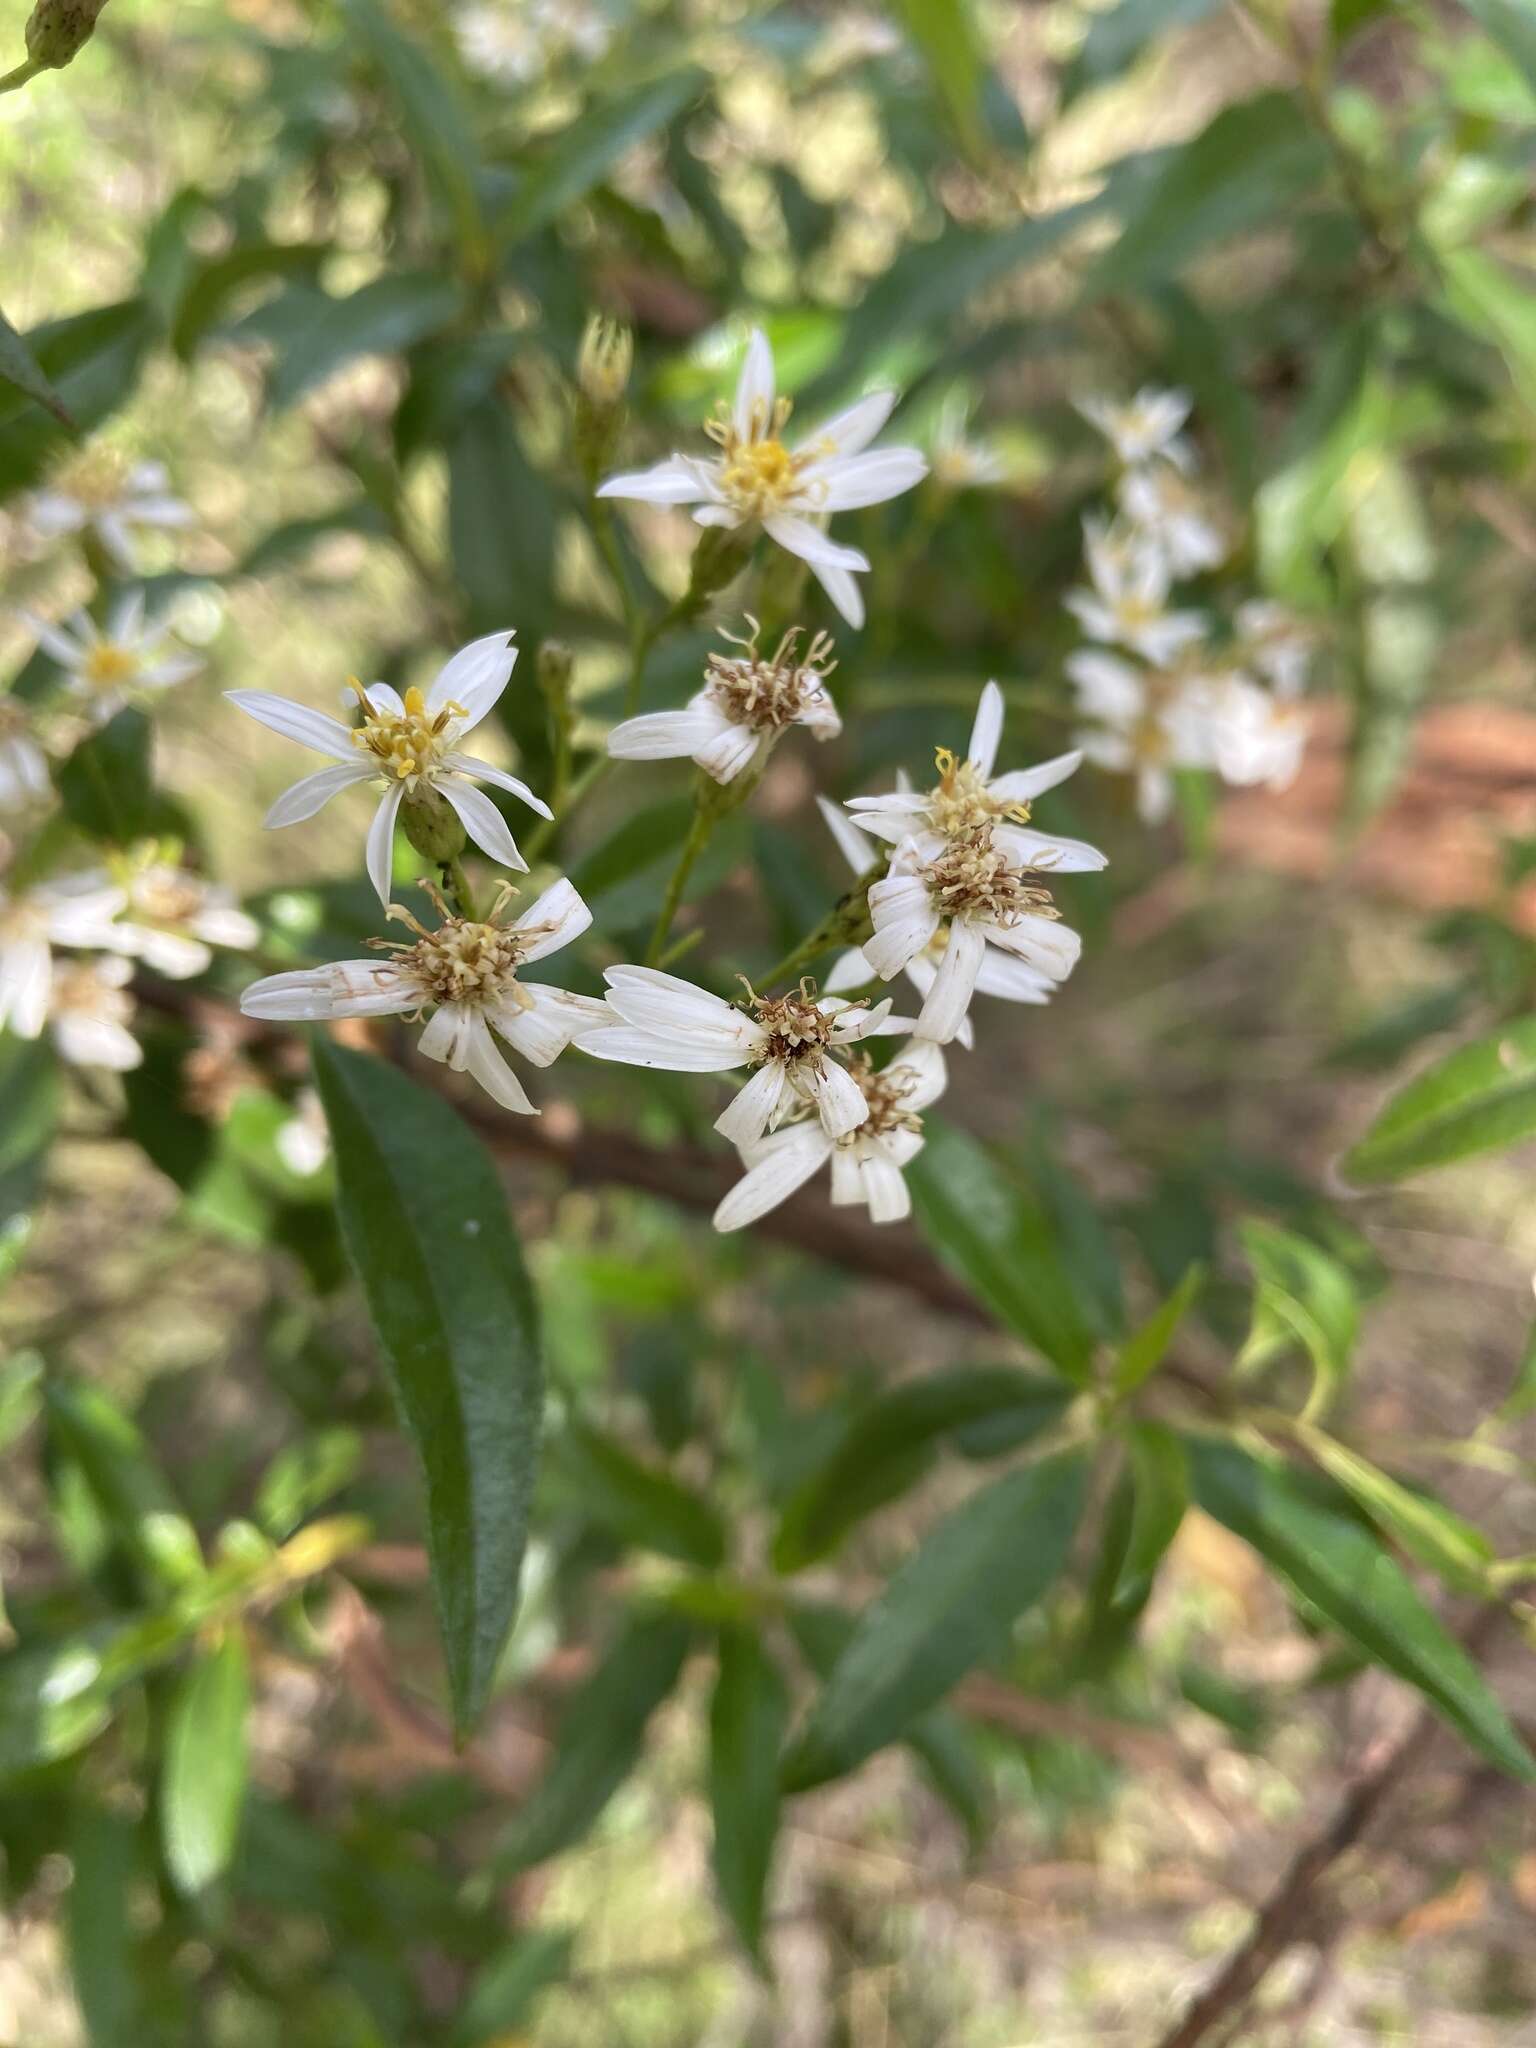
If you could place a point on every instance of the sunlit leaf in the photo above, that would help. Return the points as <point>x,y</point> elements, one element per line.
<point>202,1787</point>
<point>1303,1295</point>
<point>747,1718</point>
<point>1480,1098</point>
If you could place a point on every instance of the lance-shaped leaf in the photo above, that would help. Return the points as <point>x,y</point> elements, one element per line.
<point>583,154</point>
<point>1304,1295</point>
<point>949,1606</point>
<point>202,1789</point>
<point>20,367</point>
<point>638,1502</point>
<point>425,1219</point>
<point>747,1719</point>
<point>1341,1567</point>
<point>1477,1099</point>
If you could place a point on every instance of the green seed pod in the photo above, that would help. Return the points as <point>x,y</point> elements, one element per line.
<point>58,30</point>
<point>432,826</point>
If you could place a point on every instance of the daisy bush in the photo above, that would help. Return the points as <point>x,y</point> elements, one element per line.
<point>652,655</point>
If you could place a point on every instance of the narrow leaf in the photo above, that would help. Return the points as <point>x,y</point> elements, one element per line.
<point>1304,1295</point>
<point>1159,1496</point>
<point>1342,1569</point>
<point>950,1606</point>
<point>1145,1349</point>
<point>128,1486</point>
<point>887,1446</point>
<point>747,1719</point>
<point>1479,1098</point>
<point>600,1739</point>
<point>103,1855</point>
<point>583,154</point>
<point>638,1502</point>
<point>1427,1529</point>
<point>425,1219</point>
<point>202,1789</point>
<point>20,367</point>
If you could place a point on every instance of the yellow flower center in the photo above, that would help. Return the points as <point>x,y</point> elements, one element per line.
<point>405,743</point>
<point>106,665</point>
<point>960,800</point>
<point>758,474</point>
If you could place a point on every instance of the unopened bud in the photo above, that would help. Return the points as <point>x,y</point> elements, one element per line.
<point>58,30</point>
<point>603,365</point>
<point>721,554</point>
<point>555,666</point>
<point>432,826</point>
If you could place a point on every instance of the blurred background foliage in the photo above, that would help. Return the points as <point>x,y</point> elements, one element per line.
<point>332,264</point>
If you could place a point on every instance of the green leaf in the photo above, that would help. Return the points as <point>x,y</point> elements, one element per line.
<point>425,1219</point>
<point>1497,302</point>
<point>381,318</point>
<point>600,1739</point>
<point>951,1605</point>
<point>103,1858</point>
<point>999,1240</point>
<point>1304,1295</point>
<point>1512,25</point>
<point>21,1395</point>
<point>92,360</point>
<point>1428,1530</point>
<point>641,1504</point>
<point>50,1704</point>
<point>20,367</point>
<point>1480,1098</point>
<point>747,1719</point>
<point>1246,170</point>
<point>202,1785</point>
<point>505,1989</point>
<point>1145,1349</point>
<point>501,527</point>
<point>644,840</point>
<point>1301,509</point>
<point>29,1112</point>
<point>126,1483</point>
<point>1159,1495</point>
<point>433,117</point>
<point>583,154</point>
<point>303,1476</point>
<point>1340,1566</point>
<point>889,1444</point>
<point>107,784</point>
<point>947,35</point>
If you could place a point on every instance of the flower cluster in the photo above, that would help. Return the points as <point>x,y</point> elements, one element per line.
<point>1156,691</point>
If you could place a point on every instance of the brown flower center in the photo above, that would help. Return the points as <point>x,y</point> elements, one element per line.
<point>973,878</point>
<point>767,694</point>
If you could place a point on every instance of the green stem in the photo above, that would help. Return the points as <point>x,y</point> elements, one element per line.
<point>544,831</point>
<point>705,816</point>
<point>456,887</point>
<point>845,924</point>
<point>19,76</point>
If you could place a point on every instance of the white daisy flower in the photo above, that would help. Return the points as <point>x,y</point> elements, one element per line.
<point>133,658</point>
<point>965,892</point>
<point>1249,735</point>
<point>792,1040</point>
<point>746,705</point>
<point>1276,644</point>
<point>788,491</point>
<point>1133,729</point>
<point>1127,604</point>
<point>76,911</point>
<point>1145,428</point>
<point>968,795</point>
<point>89,1011</point>
<point>303,1143</point>
<point>959,463</point>
<point>101,491</point>
<point>172,918</point>
<point>1000,975</point>
<point>499,43</point>
<point>23,764</point>
<point>866,1162</point>
<point>1157,501</point>
<point>406,747</point>
<point>466,973</point>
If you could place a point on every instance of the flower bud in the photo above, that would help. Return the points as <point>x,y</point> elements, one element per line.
<point>555,666</point>
<point>604,362</point>
<point>58,30</point>
<point>432,825</point>
<point>720,555</point>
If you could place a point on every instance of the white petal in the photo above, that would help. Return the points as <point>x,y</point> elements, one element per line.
<point>297,722</point>
<point>850,431</point>
<point>56,642</point>
<point>26,980</point>
<point>786,1162</point>
<point>475,677</point>
<point>126,623</point>
<point>852,844</point>
<point>753,1108</point>
<point>673,482</point>
<point>169,953</point>
<point>553,1019</point>
<point>1002,974</point>
<point>1031,849</point>
<point>867,479</point>
<point>483,822</point>
<point>386,698</point>
<point>302,799</point>
<point>807,541</point>
<point>87,1041</point>
<point>730,753</point>
<point>884,1189</point>
<point>552,920</point>
<point>498,778</point>
<point>847,1186</point>
<point>664,735</point>
<point>447,1035</point>
<point>656,1001</point>
<point>847,598</point>
<point>905,921</point>
<point>986,731</point>
<point>849,970</point>
<point>1107,687</point>
<point>1042,942</point>
<point>1023,785</point>
<point>954,984</point>
<point>632,1047</point>
<point>922,1066</point>
<point>838,1097</point>
<point>493,1073</point>
<point>344,988</point>
<point>379,856</point>
<point>753,409</point>
<point>856,1022</point>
